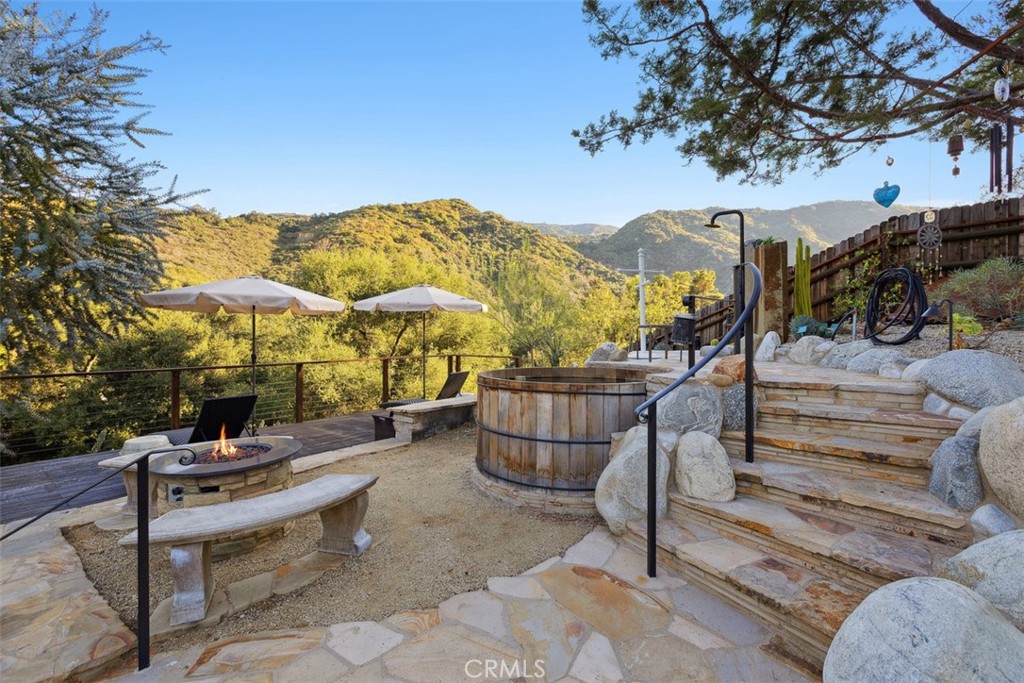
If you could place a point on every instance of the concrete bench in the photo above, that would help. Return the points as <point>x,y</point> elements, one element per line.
<point>341,500</point>
<point>419,420</point>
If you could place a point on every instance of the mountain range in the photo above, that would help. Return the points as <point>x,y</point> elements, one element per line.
<point>201,245</point>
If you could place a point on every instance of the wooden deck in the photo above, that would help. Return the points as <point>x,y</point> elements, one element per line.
<point>28,490</point>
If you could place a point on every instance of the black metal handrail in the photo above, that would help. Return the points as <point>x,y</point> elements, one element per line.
<point>142,549</point>
<point>648,410</point>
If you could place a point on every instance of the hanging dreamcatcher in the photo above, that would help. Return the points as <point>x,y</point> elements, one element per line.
<point>929,239</point>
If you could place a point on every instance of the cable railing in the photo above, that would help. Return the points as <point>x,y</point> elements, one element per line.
<point>647,412</point>
<point>52,415</point>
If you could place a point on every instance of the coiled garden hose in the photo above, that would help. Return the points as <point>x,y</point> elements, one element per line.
<point>915,302</point>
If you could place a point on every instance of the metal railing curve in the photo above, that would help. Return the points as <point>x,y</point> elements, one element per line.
<point>142,549</point>
<point>647,412</point>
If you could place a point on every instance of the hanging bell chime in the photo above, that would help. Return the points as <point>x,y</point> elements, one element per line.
<point>954,148</point>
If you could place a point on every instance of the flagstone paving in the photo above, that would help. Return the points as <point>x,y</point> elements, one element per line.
<point>592,616</point>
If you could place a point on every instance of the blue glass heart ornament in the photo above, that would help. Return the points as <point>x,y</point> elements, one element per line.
<point>887,194</point>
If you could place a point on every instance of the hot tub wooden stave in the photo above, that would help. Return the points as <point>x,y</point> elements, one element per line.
<point>551,427</point>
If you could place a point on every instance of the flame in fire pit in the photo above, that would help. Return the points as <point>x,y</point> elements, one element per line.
<point>223,449</point>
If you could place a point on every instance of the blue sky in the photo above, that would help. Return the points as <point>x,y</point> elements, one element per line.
<point>327,106</point>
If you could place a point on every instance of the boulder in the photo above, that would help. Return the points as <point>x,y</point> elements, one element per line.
<point>621,493</point>
<point>955,478</point>
<point>734,408</point>
<point>960,413</point>
<point>822,350</point>
<point>706,350</point>
<point>702,468</point>
<point>991,520</point>
<point>802,352</point>
<point>766,351</point>
<point>734,366</point>
<point>841,355</point>
<point>935,404</point>
<point>1002,442</point>
<point>607,352</point>
<point>925,629</point>
<point>871,361</point>
<point>974,378</point>
<point>913,371</point>
<point>992,568</point>
<point>691,407</point>
<point>891,370</point>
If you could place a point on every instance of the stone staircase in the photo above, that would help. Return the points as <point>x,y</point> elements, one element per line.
<point>834,506</point>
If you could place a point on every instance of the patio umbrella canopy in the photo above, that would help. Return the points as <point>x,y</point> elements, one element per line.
<point>420,299</point>
<point>251,294</point>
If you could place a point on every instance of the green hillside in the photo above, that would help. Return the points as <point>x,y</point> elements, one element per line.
<point>678,240</point>
<point>201,246</point>
<point>583,230</point>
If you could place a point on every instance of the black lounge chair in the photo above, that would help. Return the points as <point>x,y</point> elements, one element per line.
<point>451,389</point>
<point>229,411</point>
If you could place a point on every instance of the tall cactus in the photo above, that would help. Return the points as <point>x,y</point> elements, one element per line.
<point>802,279</point>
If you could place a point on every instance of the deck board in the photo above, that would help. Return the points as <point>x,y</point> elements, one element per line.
<point>29,489</point>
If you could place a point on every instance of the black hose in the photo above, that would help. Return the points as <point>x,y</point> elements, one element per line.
<point>915,302</point>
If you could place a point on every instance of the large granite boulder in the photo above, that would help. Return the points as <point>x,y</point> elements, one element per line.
<point>955,478</point>
<point>691,407</point>
<point>925,629</point>
<point>1002,443</point>
<point>702,468</point>
<point>734,408</point>
<point>621,494</point>
<point>993,568</point>
<point>605,352</point>
<point>802,352</point>
<point>991,520</point>
<point>766,351</point>
<point>733,366</point>
<point>913,371</point>
<point>974,378</point>
<point>840,356</point>
<point>871,361</point>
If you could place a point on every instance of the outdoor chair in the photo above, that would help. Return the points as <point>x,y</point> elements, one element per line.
<point>231,412</point>
<point>451,389</point>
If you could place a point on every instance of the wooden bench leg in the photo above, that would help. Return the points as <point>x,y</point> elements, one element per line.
<point>343,527</point>
<point>193,582</point>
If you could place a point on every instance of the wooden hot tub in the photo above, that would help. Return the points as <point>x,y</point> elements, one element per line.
<point>550,428</point>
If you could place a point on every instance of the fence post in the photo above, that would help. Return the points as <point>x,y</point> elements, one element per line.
<point>299,394</point>
<point>385,390</point>
<point>450,363</point>
<point>458,362</point>
<point>175,399</point>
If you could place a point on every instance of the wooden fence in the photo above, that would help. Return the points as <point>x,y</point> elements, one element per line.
<point>970,235</point>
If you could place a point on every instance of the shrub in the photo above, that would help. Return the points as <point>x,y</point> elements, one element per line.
<point>993,290</point>
<point>966,324</point>
<point>810,325</point>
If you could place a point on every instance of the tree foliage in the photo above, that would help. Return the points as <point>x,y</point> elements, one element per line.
<point>78,218</point>
<point>760,88</point>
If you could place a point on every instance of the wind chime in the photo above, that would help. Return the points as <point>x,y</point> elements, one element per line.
<point>929,241</point>
<point>996,142</point>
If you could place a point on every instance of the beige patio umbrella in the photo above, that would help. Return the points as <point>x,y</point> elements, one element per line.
<point>420,299</point>
<point>251,294</point>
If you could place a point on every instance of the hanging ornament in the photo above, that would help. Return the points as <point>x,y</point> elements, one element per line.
<point>929,236</point>
<point>929,216</point>
<point>889,161</point>
<point>954,148</point>
<point>1001,89</point>
<point>886,194</point>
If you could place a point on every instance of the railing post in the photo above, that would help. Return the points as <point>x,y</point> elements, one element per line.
<point>748,340</point>
<point>458,362</point>
<point>652,490</point>
<point>142,565</point>
<point>299,394</point>
<point>175,399</point>
<point>385,390</point>
<point>451,363</point>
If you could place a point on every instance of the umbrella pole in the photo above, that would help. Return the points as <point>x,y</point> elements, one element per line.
<point>423,358</point>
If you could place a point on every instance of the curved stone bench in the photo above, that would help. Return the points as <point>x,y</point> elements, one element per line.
<point>341,500</point>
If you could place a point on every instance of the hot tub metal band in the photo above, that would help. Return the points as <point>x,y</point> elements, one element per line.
<point>525,437</point>
<point>576,489</point>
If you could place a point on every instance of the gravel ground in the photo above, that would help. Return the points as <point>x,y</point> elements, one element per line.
<point>434,536</point>
<point>935,339</point>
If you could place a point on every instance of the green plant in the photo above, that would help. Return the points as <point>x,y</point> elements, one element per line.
<point>802,280</point>
<point>966,324</point>
<point>993,290</point>
<point>805,325</point>
<point>859,280</point>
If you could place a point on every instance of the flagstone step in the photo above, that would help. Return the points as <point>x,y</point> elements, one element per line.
<point>884,424</point>
<point>857,500</point>
<point>858,556</point>
<point>803,607</point>
<point>902,462</point>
